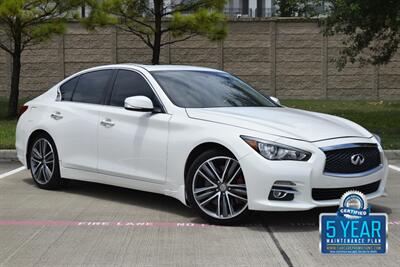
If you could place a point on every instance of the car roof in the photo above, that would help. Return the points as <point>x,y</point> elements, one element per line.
<point>153,67</point>
<point>172,67</point>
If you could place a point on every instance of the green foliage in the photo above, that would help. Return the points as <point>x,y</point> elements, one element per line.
<point>203,22</point>
<point>27,22</point>
<point>371,30</point>
<point>298,8</point>
<point>150,20</point>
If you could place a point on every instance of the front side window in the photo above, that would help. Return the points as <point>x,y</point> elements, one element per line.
<point>127,84</point>
<point>91,86</point>
<point>208,89</point>
<point>67,89</point>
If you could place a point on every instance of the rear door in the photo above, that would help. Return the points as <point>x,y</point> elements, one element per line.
<point>133,144</point>
<point>74,119</point>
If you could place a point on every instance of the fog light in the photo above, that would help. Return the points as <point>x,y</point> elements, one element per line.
<point>279,194</point>
<point>282,191</point>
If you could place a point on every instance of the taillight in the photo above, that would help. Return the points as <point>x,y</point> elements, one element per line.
<point>22,109</point>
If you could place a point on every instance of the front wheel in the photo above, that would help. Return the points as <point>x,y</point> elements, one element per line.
<point>216,188</point>
<point>44,164</point>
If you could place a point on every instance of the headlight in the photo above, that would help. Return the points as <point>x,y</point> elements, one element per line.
<point>378,138</point>
<point>274,151</point>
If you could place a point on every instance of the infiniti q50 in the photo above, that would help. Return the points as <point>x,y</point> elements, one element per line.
<point>199,135</point>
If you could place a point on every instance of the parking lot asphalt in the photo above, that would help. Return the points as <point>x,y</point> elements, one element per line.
<point>90,224</point>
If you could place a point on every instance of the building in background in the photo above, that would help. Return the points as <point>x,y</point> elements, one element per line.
<point>233,8</point>
<point>249,8</point>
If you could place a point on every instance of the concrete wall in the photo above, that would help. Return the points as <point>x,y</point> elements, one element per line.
<point>285,58</point>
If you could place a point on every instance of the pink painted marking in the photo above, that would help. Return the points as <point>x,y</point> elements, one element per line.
<point>101,223</point>
<point>115,223</point>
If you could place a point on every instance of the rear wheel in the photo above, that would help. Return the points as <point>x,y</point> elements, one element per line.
<point>44,164</point>
<point>216,188</point>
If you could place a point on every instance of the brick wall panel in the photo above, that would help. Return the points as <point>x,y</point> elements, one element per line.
<point>389,94</point>
<point>350,82</point>
<point>140,56</point>
<point>88,41</point>
<point>389,81</point>
<point>298,41</point>
<point>41,69</point>
<point>246,55</point>
<point>40,55</point>
<point>194,55</point>
<point>295,54</point>
<point>88,55</point>
<point>298,82</point>
<point>246,27</point>
<point>246,52</point>
<point>298,28</point>
<point>129,41</point>
<point>248,68</point>
<point>298,68</point>
<point>351,93</point>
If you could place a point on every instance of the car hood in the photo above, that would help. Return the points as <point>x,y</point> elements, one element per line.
<point>281,121</point>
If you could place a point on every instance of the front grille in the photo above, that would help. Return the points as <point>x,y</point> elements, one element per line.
<point>339,160</point>
<point>336,193</point>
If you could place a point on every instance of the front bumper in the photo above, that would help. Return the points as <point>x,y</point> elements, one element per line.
<point>261,174</point>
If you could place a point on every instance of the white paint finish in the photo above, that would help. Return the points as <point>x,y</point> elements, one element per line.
<point>76,131</point>
<point>138,102</point>
<point>286,122</point>
<point>147,151</point>
<point>4,175</point>
<point>135,146</point>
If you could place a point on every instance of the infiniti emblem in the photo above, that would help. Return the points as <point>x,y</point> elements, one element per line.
<point>357,159</point>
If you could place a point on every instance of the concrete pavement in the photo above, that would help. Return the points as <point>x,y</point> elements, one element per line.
<point>6,166</point>
<point>97,225</point>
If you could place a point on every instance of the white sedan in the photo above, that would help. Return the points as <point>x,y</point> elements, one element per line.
<point>199,135</point>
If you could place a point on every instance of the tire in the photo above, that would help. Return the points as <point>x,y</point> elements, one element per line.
<point>216,188</point>
<point>44,164</point>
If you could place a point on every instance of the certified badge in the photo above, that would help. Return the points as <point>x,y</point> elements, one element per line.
<point>353,229</point>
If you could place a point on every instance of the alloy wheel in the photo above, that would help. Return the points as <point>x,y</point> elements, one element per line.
<point>42,161</point>
<point>219,188</point>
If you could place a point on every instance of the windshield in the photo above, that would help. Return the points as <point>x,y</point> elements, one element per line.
<point>208,89</point>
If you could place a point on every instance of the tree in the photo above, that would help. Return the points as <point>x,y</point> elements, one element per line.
<point>150,20</point>
<point>298,8</point>
<point>24,23</point>
<point>371,30</point>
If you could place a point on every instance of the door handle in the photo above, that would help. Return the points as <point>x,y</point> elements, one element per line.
<point>107,123</point>
<point>56,115</point>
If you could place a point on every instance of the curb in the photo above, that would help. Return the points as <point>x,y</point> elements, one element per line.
<point>8,155</point>
<point>11,154</point>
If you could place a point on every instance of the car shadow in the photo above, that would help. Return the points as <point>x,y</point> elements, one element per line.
<point>128,196</point>
<point>293,221</point>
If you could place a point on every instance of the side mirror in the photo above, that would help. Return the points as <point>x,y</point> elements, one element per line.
<point>276,100</point>
<point>138,103</point>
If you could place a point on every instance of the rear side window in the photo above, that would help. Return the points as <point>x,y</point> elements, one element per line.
<point>92,86</point>
<point>129,83</point>
<point>67,89</point>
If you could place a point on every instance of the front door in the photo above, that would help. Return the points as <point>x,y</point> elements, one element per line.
<point>132,144</point>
